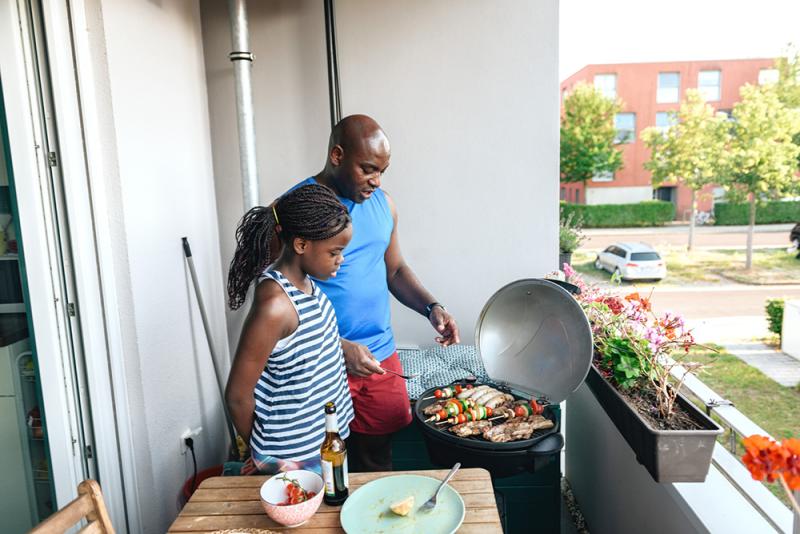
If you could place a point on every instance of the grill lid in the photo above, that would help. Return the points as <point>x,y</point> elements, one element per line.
<point>534,337</point>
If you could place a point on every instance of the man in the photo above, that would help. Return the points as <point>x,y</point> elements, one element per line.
<point>358,155</point>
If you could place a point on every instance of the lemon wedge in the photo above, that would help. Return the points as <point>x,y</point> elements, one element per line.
<point>403,507</point>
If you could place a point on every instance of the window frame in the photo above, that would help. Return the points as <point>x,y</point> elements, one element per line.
<point>701,88</point>
<point>628,140</point>
<point>602,90</point>
<point>659,98</point>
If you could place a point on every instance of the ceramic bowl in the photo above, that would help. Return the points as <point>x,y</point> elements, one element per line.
<point>273,491</point>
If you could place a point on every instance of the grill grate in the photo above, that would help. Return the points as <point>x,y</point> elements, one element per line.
<point>536,436</point>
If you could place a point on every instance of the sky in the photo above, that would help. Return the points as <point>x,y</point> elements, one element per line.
<point>632,31</point>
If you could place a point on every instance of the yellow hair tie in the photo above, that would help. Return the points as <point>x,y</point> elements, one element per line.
<point>275,213</point>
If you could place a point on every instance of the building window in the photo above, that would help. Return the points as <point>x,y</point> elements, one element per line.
<point>603,177</point>
<point>708,83</point>
<point>577,196</point>
<point>626,127</point>
<point>665,119</point>
<point>767,76</point>
<point>563,193</point>
<point>606,84</point>
<point>669,87</point>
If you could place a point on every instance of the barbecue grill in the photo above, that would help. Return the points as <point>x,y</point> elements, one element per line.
<point>535,342</point>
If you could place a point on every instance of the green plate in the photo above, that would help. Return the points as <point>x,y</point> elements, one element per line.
<point>366,511</point>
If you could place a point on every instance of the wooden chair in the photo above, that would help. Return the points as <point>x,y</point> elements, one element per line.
<point>89,505</point>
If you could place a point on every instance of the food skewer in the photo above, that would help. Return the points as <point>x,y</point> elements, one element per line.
<point>449,391</point>
<point>452,408</point>
<point>477,413</point>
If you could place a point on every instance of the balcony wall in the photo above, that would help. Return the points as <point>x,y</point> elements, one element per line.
<point>616,494</point>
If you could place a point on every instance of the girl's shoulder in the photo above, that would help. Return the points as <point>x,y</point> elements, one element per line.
<point>271,302</point>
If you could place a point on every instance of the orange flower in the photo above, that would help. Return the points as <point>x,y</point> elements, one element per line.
<point>791,472</point>
<point>764,458</point>
<point>643,302</point>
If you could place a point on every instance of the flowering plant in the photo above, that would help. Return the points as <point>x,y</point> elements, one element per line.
<point>770,460</point>
<point>636,347</point>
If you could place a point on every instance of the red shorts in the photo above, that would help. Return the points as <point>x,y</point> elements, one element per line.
<point>380,402</point>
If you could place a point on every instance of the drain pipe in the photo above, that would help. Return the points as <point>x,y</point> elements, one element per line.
<point>242,60</point>
<point>334,94</point>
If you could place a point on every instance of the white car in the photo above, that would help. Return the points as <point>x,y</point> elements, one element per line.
<point>633,261</point>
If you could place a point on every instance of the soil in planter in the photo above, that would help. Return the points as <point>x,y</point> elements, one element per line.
<point>646,404</point>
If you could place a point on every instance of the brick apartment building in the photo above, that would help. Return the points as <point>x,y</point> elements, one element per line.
<point>649,91</point>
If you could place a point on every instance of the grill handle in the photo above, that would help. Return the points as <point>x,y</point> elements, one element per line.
<point>549,445</point>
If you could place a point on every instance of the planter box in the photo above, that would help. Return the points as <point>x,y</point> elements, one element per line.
<point>564,257</point>
<point>669,455</point>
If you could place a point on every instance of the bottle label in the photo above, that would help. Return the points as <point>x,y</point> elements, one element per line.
<point>327,478</point>
<point>331,423</point>
<point>345,472</point>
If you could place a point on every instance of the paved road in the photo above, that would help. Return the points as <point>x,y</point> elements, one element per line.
<point>705,237</point>
<point>719,301</point>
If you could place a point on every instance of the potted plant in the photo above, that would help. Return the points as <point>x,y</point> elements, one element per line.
<point>570,237</point>
<point>636,351</point>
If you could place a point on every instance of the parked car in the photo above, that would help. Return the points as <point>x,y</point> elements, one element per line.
<point>633,261</point>
<point>794,238</point>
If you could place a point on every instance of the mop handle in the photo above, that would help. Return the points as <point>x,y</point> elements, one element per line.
<point>188,253</point>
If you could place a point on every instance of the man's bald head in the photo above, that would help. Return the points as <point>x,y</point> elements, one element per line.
<point>358,155</point>
<point>353,131</point>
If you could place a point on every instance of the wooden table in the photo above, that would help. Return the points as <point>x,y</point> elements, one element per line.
<point>233,502</point>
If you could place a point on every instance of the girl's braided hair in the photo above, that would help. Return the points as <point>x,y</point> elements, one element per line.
<point>312,212</point>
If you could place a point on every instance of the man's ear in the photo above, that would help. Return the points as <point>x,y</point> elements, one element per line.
<point>299,245</point>
<point>336,155</point>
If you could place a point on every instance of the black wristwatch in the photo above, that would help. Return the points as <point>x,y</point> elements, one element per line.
<point>429,308</point>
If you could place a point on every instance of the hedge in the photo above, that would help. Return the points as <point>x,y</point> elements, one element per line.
<point>767,213</point>
<point>648,213</point>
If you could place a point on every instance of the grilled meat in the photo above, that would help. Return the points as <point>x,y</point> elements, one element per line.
<point>433,408</point>
<point>472,428</point>
<point>516,429</point>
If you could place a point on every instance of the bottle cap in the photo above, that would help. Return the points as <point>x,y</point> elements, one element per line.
<point>330,407</point>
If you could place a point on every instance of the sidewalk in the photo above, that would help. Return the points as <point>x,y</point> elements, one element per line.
<point>780,367</point>
<point>736,335</point>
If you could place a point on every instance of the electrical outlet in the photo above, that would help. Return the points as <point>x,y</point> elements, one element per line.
<point>189,433</point>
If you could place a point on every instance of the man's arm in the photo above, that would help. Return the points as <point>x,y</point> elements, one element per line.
<point>406,287</point>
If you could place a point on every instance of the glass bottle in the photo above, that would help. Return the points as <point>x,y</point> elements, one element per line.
<point>334,460</point>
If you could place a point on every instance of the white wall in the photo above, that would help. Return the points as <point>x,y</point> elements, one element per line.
<point>468,95</point>
<point>790,339</point>
<point>618,195</point>
<point>154,164</point>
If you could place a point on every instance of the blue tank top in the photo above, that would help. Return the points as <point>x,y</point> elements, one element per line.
<point>359,291</point>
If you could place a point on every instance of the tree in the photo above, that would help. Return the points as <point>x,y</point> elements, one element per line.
<point>788,86</point>
<point>691,151</point>
<point>587,135</point>
<point>763,156</point>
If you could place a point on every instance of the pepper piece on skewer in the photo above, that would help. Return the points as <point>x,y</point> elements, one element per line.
<point>448,391</point>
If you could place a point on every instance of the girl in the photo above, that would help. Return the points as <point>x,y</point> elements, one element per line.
<point>289,361</point>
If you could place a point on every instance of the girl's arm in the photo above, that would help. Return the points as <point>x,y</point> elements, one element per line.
<point>271,318</point>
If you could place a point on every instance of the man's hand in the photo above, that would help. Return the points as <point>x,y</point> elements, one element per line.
<point>359,360</point>
<point>445,325</point>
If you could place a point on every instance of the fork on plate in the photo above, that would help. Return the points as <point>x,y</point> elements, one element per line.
<point>430,504</point>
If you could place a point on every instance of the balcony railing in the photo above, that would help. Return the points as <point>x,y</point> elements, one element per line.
<point>727,461</point>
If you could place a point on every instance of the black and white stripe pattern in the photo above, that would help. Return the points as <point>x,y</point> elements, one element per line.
<point>299,379</point>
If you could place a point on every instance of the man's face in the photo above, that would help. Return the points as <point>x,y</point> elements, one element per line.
<point>358,171</point>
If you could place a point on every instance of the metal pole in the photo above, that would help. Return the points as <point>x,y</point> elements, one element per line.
<point>242,60</point>
<point>187,251</point>
<point>334,93</point>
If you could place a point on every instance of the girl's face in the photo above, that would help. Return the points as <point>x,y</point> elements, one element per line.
<point>321,259</point>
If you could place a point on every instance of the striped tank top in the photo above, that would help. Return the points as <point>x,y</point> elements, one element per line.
<point>304,371</point>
